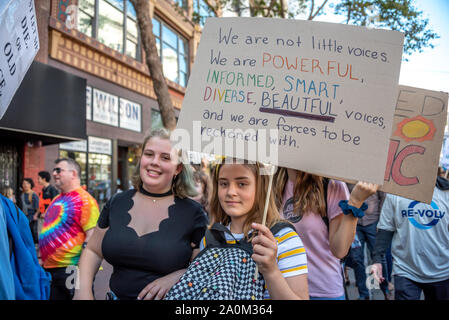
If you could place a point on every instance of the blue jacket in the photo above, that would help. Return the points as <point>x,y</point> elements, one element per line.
<point>31,282</point>
<point>6,276</point>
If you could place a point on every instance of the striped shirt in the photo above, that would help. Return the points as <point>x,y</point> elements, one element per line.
<point>291,255</point>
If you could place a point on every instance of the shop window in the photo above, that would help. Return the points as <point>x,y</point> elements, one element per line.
<point>156,120</point>
<point>133,157</point>
<point>173,50</point>
<point>9,167</point>
<point>112,22</point>
<point>86,15</point>
<point>100,166</point>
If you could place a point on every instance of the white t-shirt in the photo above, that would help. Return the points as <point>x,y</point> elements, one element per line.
<point>420,245</point>
<point>291,255</point>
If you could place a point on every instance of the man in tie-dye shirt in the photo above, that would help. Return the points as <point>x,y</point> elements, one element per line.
<point>68,225</point>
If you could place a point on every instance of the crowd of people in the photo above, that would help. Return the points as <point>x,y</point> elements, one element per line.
<point>300,237</point>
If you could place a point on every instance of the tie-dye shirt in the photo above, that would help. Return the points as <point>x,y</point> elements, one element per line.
<point>67,219</point>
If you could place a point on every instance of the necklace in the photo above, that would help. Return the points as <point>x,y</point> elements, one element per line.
<point>155,195</point>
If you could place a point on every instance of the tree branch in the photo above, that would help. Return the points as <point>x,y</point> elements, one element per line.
<point>318,10</point>
<point>311,10</point>
<point>215,6</point>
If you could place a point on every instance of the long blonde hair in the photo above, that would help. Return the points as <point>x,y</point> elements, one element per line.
<point>308,192</point>
<point>217,214</point>
<point>183,184</point>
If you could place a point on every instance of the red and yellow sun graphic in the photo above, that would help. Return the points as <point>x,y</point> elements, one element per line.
<point>416,129</point>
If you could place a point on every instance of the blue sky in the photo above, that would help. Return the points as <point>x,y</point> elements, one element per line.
<point>430,69</point>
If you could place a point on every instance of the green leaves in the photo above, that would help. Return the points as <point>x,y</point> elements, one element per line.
<point>395,15</point>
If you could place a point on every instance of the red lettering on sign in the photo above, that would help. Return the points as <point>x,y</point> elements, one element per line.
<point>394,163</point>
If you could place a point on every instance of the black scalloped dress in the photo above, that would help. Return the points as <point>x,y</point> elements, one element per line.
<point>139,260</point>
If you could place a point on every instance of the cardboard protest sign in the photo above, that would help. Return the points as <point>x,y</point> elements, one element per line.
<point>321,95</point>
<point>19,44</point>
<point>415,144</point>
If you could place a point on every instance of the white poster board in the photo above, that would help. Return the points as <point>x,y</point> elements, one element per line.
<point>324,94</point>
<point>80,145</point>
<point>100,145</point>
<point>130,115</point>
<point>105,108</point>
<point>19,44</point>
<point>88,103</point>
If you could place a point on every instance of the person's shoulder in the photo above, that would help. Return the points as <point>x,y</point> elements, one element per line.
<point>124,194</point>
<point>85,195</point>
<point>337,187</point>
<point>287,238</point>
<point>285,231</point>
<point>338,184</point>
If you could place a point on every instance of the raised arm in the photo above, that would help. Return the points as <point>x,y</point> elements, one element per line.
<point>343,227</point>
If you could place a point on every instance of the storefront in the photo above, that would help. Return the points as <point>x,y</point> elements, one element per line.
<point>35,119</point>
<point>108,157</point>
<point>9,158</point>
<point>95,158</point>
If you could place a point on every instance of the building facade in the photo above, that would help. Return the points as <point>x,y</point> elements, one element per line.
<point>97,41</point>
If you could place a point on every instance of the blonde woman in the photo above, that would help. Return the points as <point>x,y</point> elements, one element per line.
<point>149,234</point>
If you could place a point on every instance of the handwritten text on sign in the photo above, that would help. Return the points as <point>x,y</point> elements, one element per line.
<point>327,89</point>
<point>415,145</point>
<point>19,43</point>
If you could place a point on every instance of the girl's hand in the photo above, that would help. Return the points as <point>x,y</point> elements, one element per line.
<point>157,289</point>
<point>265,249</point>
<point>361,192</point>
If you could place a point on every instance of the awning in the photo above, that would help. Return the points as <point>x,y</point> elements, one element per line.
<point>49,106</point>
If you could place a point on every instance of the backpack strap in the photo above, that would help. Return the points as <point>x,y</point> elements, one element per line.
<point>214,236</point>
<point>281,225</point>
<point>325,188</point>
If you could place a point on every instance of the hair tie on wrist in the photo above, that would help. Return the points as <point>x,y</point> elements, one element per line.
<point>356,212</point>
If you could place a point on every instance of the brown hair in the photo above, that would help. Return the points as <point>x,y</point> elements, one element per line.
<point>29,194</point>
<point>183,184</point>
<point>217,214</point>
<point>308,192</point>
<point>204,179</point>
